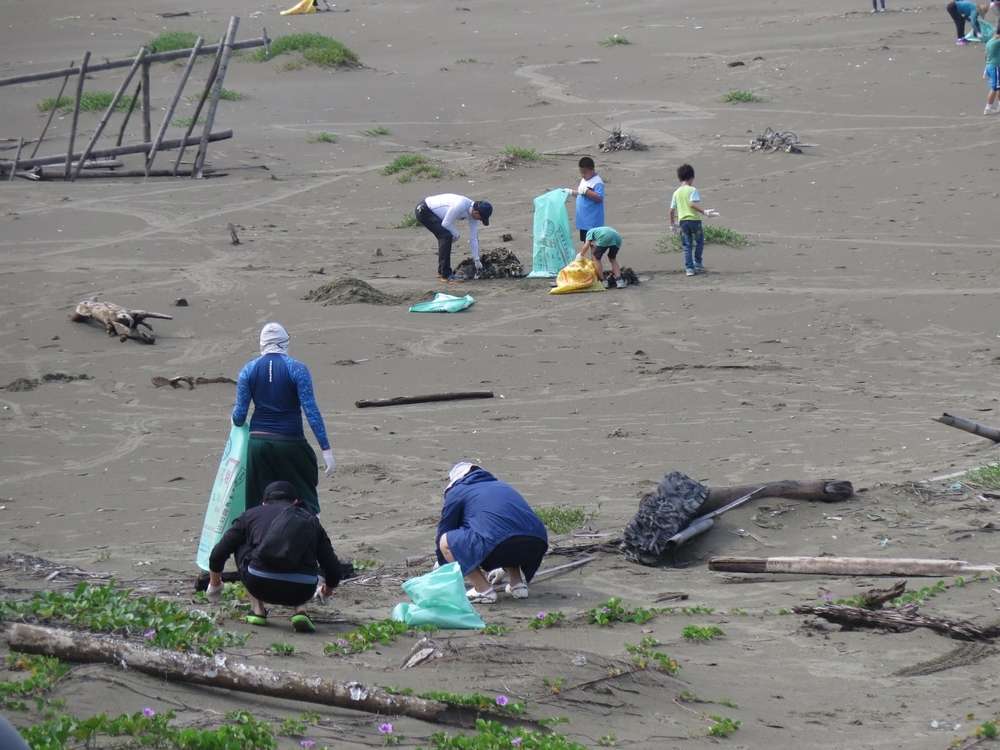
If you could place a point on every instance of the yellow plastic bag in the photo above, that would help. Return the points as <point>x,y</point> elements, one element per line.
<point>578,276</point>
<point>306,6</point>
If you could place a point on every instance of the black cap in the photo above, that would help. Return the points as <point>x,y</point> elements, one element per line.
<point>276,491</point>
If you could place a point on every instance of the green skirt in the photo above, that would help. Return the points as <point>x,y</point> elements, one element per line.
<point>274,458</point>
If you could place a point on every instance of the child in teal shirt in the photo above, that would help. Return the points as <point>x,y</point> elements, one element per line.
<point>993,73</point>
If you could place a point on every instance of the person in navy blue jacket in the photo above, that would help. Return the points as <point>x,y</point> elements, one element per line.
<point>281,390</point>
<point>486,524</point>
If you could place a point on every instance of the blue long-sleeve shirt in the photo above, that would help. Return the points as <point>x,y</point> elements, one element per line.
<point>281,389</point>
<point>479,513</point>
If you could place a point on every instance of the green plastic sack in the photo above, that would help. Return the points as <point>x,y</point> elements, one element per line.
<point>228,498</point>
<point>444,303</point>
<point>439,599</point>
<point>553,240</point>
<point>986,32</point>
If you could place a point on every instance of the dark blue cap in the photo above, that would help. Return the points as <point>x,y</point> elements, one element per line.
<point>485,209</point>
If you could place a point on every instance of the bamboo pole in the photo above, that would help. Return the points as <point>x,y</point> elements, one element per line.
<point>110,111</point>
<point>76,113</point>
<point>128,115</point>
<point>227,673</point>
<point>199,159</point>
<point>113,64</point>
<point>975,428</point>
<point>396,400</point>
<point>849,566</point>
<point>52,113</point>
<point>197,110</point>
<point>147,128</point>
<point>173,104</point>
<point>133,148</point>
<point>20,142</point>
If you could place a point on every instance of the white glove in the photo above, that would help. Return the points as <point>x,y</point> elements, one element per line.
<point>328,457</point>
<point>479,265</point>
<point>675,228</point>
<point>579,256</point>
<point>497,575</point>
<point>711,213</point>
<point>325,600</point>
<point>214,593</point>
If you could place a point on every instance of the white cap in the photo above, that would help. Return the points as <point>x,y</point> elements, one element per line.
<point>458,471</point>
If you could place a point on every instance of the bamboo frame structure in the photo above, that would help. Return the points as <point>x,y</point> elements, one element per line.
<point>73,161</point>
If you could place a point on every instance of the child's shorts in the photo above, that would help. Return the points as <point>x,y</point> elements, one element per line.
<point>993,73</point>
<point>611,251</point>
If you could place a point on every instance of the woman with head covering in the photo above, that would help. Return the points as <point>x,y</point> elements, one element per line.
<point>486,524</point>
<point>281,389</point>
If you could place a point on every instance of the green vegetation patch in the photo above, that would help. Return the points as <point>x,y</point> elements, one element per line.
<point>408,166</point>
<point>91,101</point>
<point>742,96</point>
<point>713,236</point>
<point>564,519</point>
<point>408,220</point>
<point>377,130</point>
<point>316,49</point>
<point>323,137</point>
<point>612,40</point>
<point>183,122</point>
<point>987,475</point>
<point>169,41</point>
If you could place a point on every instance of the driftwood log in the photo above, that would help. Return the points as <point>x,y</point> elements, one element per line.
<point>900,620</point>
<point>824,490</point>
<point>991,433</point>
<point>119,321</point>
<point>222,672</point>
<point>159,381</point>
<point>849,566</point>
<point>395,401</point>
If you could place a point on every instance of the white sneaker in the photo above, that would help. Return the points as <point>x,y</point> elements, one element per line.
<point>482,597</point>
<point>518,591</point>
<point>989,110</point>
<point>690,272</point>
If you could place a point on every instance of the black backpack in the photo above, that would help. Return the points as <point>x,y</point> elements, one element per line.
<point>289,541</point>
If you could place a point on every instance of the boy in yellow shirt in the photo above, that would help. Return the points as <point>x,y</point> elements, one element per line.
<point>684,209</point>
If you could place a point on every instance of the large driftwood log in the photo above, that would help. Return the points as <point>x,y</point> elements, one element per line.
<point>824,490</point>
<point>849,566</point>
<point>118,320</point>
<point>899,620</point>
<point>222,672</point>
<point>396,400</point>
<point>992,433</point>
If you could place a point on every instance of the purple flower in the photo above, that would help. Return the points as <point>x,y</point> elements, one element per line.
<point>605,609</point>
<point>385,729</point>
<point>307,743</point>
<point>148,712</point>
<point>827,597</point>
<point>501,700</point>
<point>540,615</point>
<point>516,742</point>
<point>149,634</point>
<point>341,642</point>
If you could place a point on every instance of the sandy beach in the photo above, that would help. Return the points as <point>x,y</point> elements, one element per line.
<point>862,307</point>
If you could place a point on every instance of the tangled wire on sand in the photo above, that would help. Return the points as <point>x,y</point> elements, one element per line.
<point>498,263</point>
<point>621,142</point>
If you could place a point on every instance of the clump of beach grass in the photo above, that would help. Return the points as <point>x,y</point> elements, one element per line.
<point>987,475</point>
<point>376,131</point>
<point>91,101</point>
<point>612,40</point>
<point>742,96</point>
<point>315,49</point>
<point>324,137</point>
<point>713,236</point>
<point>408,166</point>
<point>169,41</point>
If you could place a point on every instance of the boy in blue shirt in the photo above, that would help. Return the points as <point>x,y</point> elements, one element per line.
<point>589,198</point>
<point>993,73</point>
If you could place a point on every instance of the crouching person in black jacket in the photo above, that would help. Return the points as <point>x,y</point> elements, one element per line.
<point>280,548</point>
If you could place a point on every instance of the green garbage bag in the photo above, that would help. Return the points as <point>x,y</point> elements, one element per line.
<point>553,240</point>
<point>444,303</point>
<point>986,32</point>
<point>439,599</point>
<point>228,498</point>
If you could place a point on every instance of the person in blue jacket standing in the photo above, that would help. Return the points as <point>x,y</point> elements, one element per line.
<point>486,524</point>
<point>281,389</point>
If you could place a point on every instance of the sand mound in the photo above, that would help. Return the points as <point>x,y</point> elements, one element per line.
<point>352,291</point>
